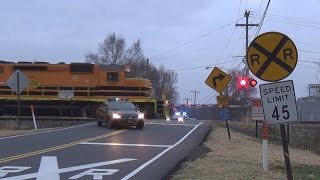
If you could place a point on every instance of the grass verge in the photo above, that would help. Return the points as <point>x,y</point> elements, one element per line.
<point>240,158</point>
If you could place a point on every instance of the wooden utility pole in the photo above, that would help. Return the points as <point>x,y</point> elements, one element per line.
<point>195,96</point>
<point>247,25</point>
<point>187,100</point>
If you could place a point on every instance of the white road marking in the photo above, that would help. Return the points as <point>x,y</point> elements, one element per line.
<point>5,170</point>
<point>45,131</point>
<point>119,144</point>
<point>172,124</point>
<point>96,173</point>
<point>48,169</point>
<point>159,155</point>
<point>70,169</point>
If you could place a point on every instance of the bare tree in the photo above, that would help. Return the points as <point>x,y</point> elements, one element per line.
<point>134,57</point>
<point>92,58</point>
<point>134,53</point>
<point>113,51</point>
<point>166,85</point>
<point>110,51</point>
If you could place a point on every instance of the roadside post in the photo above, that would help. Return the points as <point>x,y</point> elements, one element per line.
<point>256,112</point>
<point>18,82</point>
<point>218,80</point>
<point>272,56</point>
<point>66,94</point>
<point>33,118</point>
<point>265,136</point>
<point>225,116</point>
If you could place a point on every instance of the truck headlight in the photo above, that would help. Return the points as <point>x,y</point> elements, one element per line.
<point>141,116</point>
<point>116,116</point>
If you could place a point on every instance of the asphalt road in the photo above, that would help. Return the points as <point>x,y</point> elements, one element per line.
<point>92,152</point>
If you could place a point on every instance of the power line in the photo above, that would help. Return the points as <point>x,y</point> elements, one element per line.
<point>308,66</point>
<point>202,67</point>
<point>227,43</point>
<point>203,100</point>
<point>303,50</point>
<point>257,11</point>
<point>239,10</point>
<point>293,19</point>
<point>188,42</point>
<point>293,23</point>
<point>262,19</point>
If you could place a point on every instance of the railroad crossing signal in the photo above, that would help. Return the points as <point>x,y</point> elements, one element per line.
<point>218,80</point>
<point>272,56</point>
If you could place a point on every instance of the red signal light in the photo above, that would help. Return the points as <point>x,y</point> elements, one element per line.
<point>243,82</point>
<point>253,82</point>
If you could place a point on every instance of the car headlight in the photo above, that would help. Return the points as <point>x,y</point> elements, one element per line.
<point>168,119</point>
<point>116,116</point>
<point>141,116</point>
<point>180,119</point>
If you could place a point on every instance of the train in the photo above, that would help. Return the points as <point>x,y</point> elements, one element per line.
<point>90,84</point>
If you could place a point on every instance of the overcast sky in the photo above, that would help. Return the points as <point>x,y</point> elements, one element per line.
<point>177,34</point>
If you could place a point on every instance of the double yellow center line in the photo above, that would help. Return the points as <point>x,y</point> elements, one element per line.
<point>20,156</point>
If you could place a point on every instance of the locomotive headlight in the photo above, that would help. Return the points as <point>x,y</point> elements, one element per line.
<point>141,116</point>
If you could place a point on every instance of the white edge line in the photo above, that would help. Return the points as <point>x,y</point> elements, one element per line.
<point>60,129</point>
<point>159,155</point>
<point>119,144</point>
<point>172,124</point>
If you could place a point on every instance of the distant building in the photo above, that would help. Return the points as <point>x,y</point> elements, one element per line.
<point>309,109</point>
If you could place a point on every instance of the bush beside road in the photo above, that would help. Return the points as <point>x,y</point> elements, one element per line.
<point>241,158</point>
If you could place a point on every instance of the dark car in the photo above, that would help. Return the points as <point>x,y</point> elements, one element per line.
<point>119,113</point>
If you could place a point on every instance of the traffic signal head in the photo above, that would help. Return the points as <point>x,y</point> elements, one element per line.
<point>252,82</point>
<point>245,82</point>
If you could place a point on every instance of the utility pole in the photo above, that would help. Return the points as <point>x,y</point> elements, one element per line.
<point>187,100</point>
<point>247,25</point>
<point>195,96</point>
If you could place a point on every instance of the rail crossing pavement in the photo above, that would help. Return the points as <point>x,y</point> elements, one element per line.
<point>100,153</point>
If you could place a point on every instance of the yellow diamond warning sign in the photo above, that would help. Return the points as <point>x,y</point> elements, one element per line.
<point>218,80</point>
<point>272,56</point>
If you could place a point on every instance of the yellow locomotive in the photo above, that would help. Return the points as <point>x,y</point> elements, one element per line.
<point>90,84</point>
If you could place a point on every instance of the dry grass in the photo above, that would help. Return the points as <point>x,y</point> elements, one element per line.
<point>240,158</point>
<point>8,132</point>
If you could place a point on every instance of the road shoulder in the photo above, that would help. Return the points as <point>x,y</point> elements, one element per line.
<point>240,158</point>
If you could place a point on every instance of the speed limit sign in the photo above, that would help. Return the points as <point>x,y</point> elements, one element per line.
<point>279,102</point>
<point>222,101</point>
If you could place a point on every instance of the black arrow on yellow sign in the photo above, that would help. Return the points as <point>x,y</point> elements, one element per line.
<point>215,78</point>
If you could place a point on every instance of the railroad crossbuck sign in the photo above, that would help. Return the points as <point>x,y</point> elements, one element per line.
<point>279,102</point>
<point>272,56</point>
<point>218,80</point>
